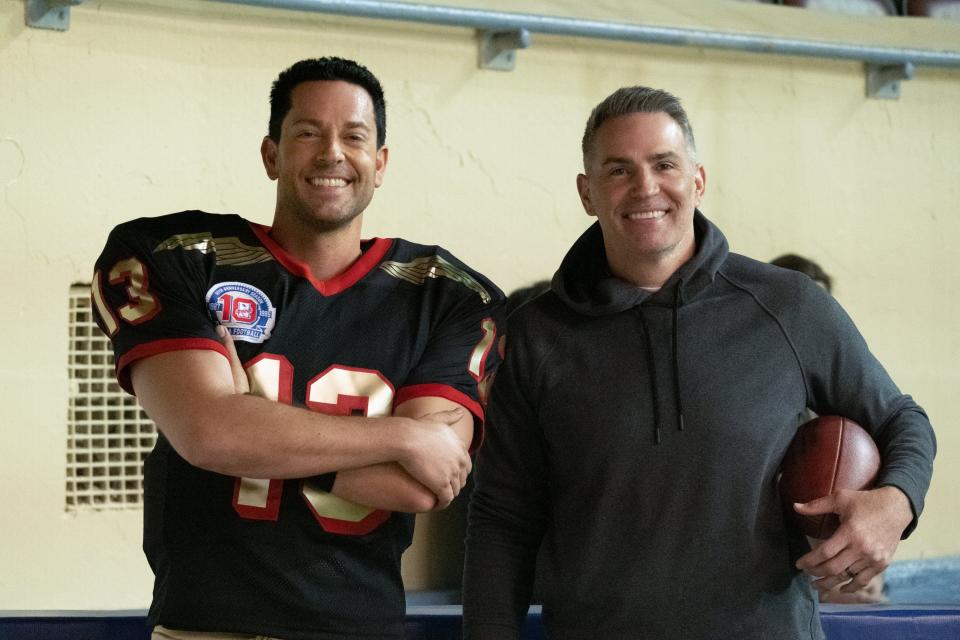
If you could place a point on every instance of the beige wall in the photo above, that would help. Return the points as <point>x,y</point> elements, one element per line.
<point>147,107</point>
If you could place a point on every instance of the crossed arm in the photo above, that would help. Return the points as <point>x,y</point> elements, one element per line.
<point>413,461</point>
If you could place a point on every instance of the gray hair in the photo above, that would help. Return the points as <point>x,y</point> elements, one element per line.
<point>627,100</point>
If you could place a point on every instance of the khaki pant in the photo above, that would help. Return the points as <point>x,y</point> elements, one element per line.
<point>162,633</point>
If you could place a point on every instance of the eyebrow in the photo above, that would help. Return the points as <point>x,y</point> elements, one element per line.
<point>352,124</point>
<point>657,157</point>
<point>666,155</point>
<point>616,160</point>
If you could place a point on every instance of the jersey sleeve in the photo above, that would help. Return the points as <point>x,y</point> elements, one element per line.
<point>148,299</point>
<point>461,356</point>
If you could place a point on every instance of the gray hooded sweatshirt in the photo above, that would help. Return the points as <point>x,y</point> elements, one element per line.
<point>637,436</point>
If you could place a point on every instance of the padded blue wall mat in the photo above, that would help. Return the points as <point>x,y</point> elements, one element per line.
<point>931,581</point>
<point>840,622</point>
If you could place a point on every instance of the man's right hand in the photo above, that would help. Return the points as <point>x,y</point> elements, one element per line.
<point>240,381</point>
<point>435,455</point>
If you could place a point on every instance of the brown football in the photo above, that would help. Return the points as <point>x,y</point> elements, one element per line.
<point>827,454</point>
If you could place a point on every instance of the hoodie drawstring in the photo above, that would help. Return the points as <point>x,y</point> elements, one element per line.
<point>653,377</point>
<point>676,357</point>
<point>654,391</point>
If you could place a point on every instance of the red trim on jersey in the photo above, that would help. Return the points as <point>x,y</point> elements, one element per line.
<point>157,347</point>
<point>435,390</point>
<point>100,304</point>
<point>285,371</point>
<point>340,282</point>
<point>270,511</point>
<point>346,404</point>
<point>346,527</point>
<point>486,351</point>
<point>134,300</point>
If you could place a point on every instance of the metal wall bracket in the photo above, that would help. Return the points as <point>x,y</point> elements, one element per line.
<point>883,80</point>
<point>49,14</point>
<point>498,49</point>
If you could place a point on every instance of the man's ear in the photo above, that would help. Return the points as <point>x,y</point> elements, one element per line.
<point>383,153</point>
<point>268,152</point>
<point>583,188</point>
<point>700,180</point>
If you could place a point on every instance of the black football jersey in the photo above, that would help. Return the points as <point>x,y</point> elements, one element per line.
<point>287,558</point>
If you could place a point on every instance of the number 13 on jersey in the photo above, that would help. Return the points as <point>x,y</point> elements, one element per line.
<point>339,390</point>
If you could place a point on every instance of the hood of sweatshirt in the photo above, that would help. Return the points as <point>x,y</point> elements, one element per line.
<point>584,281</point>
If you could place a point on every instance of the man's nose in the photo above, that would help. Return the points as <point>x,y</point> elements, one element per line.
<point>645,183</point>
<point>329,150</point>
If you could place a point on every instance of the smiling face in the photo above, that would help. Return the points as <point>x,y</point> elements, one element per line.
<point>326,162</point>
<point>643,186</point>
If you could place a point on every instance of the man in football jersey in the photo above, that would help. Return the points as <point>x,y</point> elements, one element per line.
<point>283,512</point>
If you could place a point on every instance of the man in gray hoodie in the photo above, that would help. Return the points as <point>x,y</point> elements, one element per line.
<point>637,425</point>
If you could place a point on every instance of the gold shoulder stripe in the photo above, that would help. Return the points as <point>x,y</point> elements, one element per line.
<point>230,251</point>
<point>417,271</point>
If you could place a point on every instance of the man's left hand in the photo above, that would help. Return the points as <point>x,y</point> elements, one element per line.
<point>871,523</point>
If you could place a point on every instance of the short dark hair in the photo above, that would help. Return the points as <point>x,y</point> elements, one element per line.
<point>627,100</point>
<point>805,266</point>
<point>328,68</point>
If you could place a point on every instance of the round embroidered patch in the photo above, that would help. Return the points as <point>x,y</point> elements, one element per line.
<point>243,309</point>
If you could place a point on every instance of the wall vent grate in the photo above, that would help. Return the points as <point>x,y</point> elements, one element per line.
<point>108,434</point>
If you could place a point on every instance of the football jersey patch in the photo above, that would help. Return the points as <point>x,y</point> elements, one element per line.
<point>243,309</point>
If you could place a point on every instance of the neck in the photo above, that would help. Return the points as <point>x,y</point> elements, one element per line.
<point>326,253</point>
<point>649,271</point>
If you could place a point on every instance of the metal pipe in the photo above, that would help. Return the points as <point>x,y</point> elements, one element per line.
<point>555,25</point>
